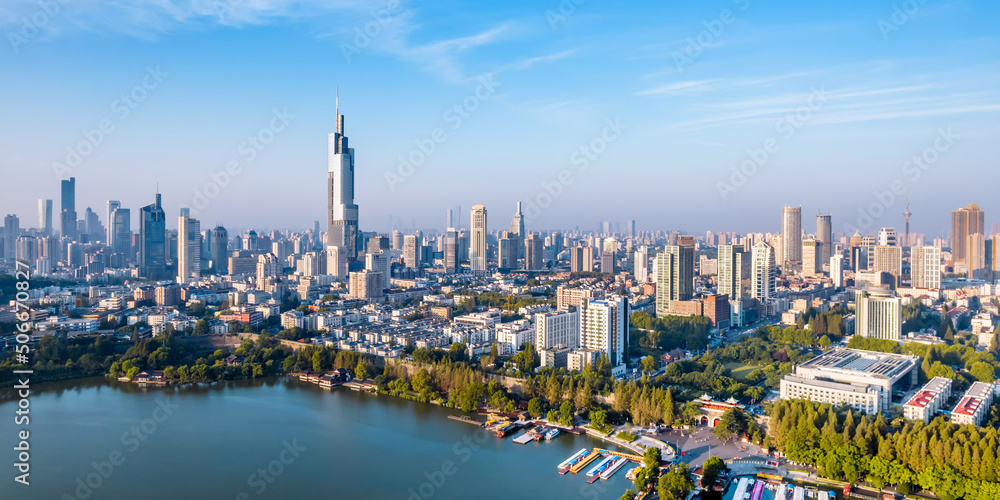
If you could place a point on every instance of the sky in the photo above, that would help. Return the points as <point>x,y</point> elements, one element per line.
<point>687,116</point>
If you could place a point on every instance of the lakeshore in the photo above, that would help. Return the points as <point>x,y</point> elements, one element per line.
<point>217,437</point>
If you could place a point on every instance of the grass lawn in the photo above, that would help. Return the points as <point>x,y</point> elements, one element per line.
<point>740,370</point>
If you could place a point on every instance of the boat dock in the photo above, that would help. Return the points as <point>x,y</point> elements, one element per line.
<point>627,456</point>
<point>465,419</point>
<point>525,438</point>
<point>758,490</point>
<point>583,461</point>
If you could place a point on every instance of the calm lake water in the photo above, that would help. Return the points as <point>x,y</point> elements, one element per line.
<point>278,439</point>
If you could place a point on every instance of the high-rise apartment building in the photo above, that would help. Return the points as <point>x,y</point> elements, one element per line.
<point>641,264</point>
<point>837,270</point>
<point>965,222</point>
<point>879,314</point>
<point>674,274</point>
<point>533,249</point>
<point>762,272</point>
<point>153,241</point>
<point>925,267</point>
<point>366,285</point>
<point>604,326</point>
<point>734,272</point>
<point>507,250</point>
<point>557,328</point>
<point>581,259</point>
<point>477,245</point>
<point>811,263</point>
<point>889,259</point>
<point>411,251</point>
<point>342,216</point>
<point>791,235</point>
<point>269,270</point>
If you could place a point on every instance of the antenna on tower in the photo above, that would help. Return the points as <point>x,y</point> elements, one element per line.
<point>338,100</point>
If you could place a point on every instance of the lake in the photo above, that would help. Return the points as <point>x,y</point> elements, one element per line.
<point>273,438</point>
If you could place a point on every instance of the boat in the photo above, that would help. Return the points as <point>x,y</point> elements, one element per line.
<point>551,433</point>
<point>613,468</point>
<point>758,490</point>
<point>741,488</point>
<point>630,475</point>
<point>799,494</point>
<point>847,489</point>
<point>571,460</point>
<point>780,494</point>
<point>600,467</point>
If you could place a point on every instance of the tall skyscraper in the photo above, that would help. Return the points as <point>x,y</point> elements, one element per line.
<point>450,250</point>
<point>631,228</point>
<point>449,218</point>
<point>11,231</point>
<point>112,206</point>
<point>342,216</point>
<point>965,222</point>
<point>477,246</point>
<point>517,228</point>
<point>734,272</point>
<point>121,233</point>
<point>674,274</point>
<point>153,241</point>
<point>45,217</point>
<point>188,247</point>
<point>507,251</point>
<point>220,250</point>
<point>67,215</point>
<point>925,267</point>
<point>791,235</point>
<point>824,237</point>
<point>763,272</point>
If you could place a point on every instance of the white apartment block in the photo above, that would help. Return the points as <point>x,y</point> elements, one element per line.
<point>879,314</point>
<point>557,328</point>
<point>928,400</point>
<point>974,405</point>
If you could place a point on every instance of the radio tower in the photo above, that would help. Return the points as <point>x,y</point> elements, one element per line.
<point>906,214</point>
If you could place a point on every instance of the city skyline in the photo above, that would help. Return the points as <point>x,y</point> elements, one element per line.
<point>693,113</point>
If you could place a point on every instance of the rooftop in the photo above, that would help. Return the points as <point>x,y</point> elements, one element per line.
<point>875,364</point>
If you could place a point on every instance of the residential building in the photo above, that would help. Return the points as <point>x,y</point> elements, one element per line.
<point>188,247</point>
<point>557,328</point>
<point>791,235</point>
<point>674,274</point>
<point>974,406</point>
<point>604,326</point>
<point>964,223</point>
<point>477,247</point>
<point>928,400</point>
<point>925,267</point>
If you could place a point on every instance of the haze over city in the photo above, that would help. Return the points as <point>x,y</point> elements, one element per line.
<point>697,90</point>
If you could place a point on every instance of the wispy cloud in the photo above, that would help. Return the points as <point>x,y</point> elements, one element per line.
<point>532,61</point>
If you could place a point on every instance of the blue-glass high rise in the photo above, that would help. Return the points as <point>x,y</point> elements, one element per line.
<point>152,241</point>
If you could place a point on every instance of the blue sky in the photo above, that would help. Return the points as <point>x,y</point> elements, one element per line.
<point>696,89</point>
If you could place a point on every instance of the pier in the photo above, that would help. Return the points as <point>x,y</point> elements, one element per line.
<point>465,419</point>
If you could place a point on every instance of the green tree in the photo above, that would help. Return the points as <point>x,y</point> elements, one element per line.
<point>711,470</point>
<point>649,364</point>
<point>598,419</point>
<point>536,407</point>
<point>361,372</point>
<point>566,414</point>
<point>675,483</point>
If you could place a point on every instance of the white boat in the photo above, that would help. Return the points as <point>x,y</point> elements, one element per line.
<point>600,467</point>
<point>552,433</point>
<point>571,460</point>
<point>613,468</point>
